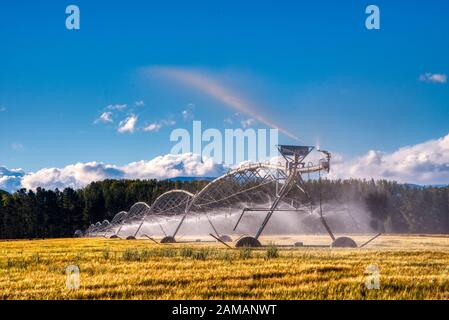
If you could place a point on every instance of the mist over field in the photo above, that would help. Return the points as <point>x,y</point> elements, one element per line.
<point>352,206</point>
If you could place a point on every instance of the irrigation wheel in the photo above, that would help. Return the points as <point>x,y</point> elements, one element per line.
<point>248,242</point>
<point>344,242</point>
<point>168,239</point>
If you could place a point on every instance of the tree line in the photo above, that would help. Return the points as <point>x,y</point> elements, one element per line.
<point>393,207</point>
<point>54,213</point>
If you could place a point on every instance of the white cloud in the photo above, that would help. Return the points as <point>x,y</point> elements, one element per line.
<point>247,123</point>
<point>10,184</point>
<point>156,126</point>
<point>80,174</point>
<point>128,125</point>
<point>170,166</point>
<point>433,77</point>
<point>139,103</point>
<point>11,172</point>
<point>424,163</point>
<point>105,117</point>
<point>152,127</point>
<point>2,109</point>
<point>10,180</point>
<point>118,107</point>
<point>74,176</point>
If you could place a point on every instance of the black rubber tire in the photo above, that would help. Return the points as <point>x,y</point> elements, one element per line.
<point>168,239</point>
<point>344,242</point>
<point>130,238</point>
<point>78,234</point>
<point>114,236</point>
<point>248,242</point>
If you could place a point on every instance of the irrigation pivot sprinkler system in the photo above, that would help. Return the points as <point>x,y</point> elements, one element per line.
<point>259,187</point>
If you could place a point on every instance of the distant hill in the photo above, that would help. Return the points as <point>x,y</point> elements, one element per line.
<point>418,186</point>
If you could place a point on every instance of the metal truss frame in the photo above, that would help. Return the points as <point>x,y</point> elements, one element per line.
<point>253,185</point>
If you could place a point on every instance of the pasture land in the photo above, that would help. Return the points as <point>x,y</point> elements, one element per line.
<point>410,267</point>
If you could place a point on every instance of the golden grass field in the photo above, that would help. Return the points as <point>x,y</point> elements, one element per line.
<point>411,267</point>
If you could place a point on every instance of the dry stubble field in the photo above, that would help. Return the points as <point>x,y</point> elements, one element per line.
<point>411,267</point>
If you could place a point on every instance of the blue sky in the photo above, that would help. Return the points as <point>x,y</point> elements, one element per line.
<point>312,67</point>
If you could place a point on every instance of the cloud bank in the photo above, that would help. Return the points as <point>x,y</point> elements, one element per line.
<point>10,180</point>
<point>426,163</point>
<point>81,174</point>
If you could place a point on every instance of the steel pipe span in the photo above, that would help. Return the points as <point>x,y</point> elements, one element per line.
<point>262,186</point>
<point>254,184</point>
